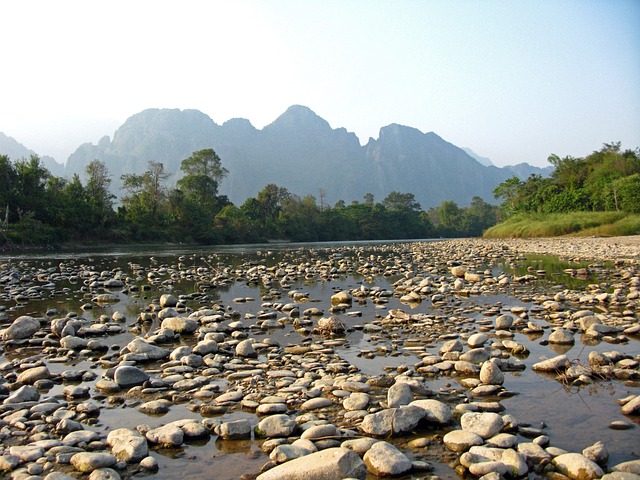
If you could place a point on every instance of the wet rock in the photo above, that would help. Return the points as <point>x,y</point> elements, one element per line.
<point>460,441</point>
<point>632,407</point>
<point>632,466</point>
<point>169,435</point>
<point>384,459</point>
<point>434,411</point>
<point>128,376</point>
<point>322,465</point>
<point>147,350</point>
<point>32,375</point>
<point>89,461</point>
<point>276,426</point>
<point>490,374</point>
<point>21,328</point>
<point>179,324</point>
<point>245,349</point>
<point>155,407</point>
<point>356,401</point>
<point>485,424</point>
<point>127,445</point>
<point>597,453</point>
<point>577,467</point>
<point>399,394</point>
<point>554,364</point>
<point>235,430</point>
<point>26,393</point>
<point>561,336</point>
<point>168,300</point>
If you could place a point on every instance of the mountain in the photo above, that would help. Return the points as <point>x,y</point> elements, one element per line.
<point>300,151</point>
<point>482,160</point>
<point>524,170</point>
<point>16,151</point>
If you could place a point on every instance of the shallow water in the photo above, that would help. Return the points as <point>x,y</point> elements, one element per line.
<point>573,418</point>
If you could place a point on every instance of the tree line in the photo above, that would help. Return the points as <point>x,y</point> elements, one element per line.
<point>606,180</point>
<point>42,209</point>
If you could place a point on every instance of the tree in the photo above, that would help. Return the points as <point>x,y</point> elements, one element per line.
<point>97,190</point>
<point>368,198</point>
<point>508,191</point>
<point>401,202</point>
<point>146,195</point>
<point>203,173</point>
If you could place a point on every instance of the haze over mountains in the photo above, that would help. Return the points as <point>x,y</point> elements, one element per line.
<point>299,151</point>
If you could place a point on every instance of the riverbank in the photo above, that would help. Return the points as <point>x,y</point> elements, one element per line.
<point>439,359</point>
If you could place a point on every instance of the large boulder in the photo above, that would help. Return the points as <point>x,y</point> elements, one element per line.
<point>577,466</point>
<point>21,328</point>
<point>127,445</point>
<point>329,464</point>
<point>385,460</point>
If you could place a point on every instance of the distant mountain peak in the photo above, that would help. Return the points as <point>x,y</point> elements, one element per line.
<point>482,160</point>
<point>299,117</point>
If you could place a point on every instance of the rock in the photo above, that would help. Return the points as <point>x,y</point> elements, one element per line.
<point>485,424</point>
<point>384,459</point>
<point>379,424</point>
<point>127,445</point>
<point>434,411</point>
<point>151,352</point>
<point>168,435</point>
<point>128,376</point>
<point>276,426</point>
<point>320,431</point>
<point>285,453</point>
<point>458,271</point>
<point>73,343</point>
<point>104,474</point>
<point>341,297</point>
<point>235,430</point>
<point>356,401</point>
<point>632,466</point>
<point>179,324</point>
<point>332,463</point>
<point>26,453</point>
<point>554,364</point>
<point>461,441</point>
<point>490,374</point>
<point>32,375</point>
<point>315,404</point>
<point>597,453</point>
<point>245,349</point>
<point>406,418</point>
<point>399,394</point>
<point>21,328</point>
<point>632,407</point>
<point>155,407</point>
<point>89,461</point>
<point>168,300</point>
<point>26,393</point>
<point>577,467</point>
<point>504,322</point>
<point>477,340</point>
<point>561,336</point>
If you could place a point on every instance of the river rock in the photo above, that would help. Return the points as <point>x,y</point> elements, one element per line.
<point>485,424</point>
<point>246,349</point>
<point>341,297</point>
<point>477,340</point>
<point>104,474</point>
<point>399,394</point>
<point>315,404</point>
<point>168,300</point>
<point>434,411</point>
<point>179,324</point>
<point>147,350</point>
<point>632,466</point>
<point>235,430</point>
<point>632,407</point>
<point>21,328</point>
<point>561,336</point>
<point>554,364</point>
<point>128,376</point>
<point>490,374</point>
<point>89,461</point>
<point>577,467</point>
<point>356,401</point>
<point>385,460</point>
<point>332,463</point>
<point>597,453</point>
<point>32,375</point>
<point>169,435</point>
<point>127,445</point>
<point>461,441</point>
<point>504,322</point>
<point>26,393</point>
<point>276,426</point>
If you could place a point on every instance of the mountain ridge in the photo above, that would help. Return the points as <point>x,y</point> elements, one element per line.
<point>300,151</point>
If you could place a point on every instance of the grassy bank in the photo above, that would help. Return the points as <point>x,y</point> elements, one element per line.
<point>572,224</point>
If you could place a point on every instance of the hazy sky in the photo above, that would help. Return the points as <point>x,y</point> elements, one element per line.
<point>513,80</point>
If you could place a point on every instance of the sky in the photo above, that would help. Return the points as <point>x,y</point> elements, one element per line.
<point>513,81</point>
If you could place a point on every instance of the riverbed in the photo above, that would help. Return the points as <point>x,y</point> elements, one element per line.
<point>405,301</point>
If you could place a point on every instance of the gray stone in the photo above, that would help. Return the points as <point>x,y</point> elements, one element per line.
<point>399,394</point>
<point>104,474</point>
<point>577,467</point>
<point>127,445</point>
<point>554,364</point>
<point>356,401</point>
<point>490,374</point>
<point>150,351</point>
<point>177,324</point>
<point>315,404</point>
<point>632,407</point>
<point>168,300</point>
<point>167,435</point>
<point>245,349</point>
<point>90,461</point>
<point>561,336</point>
<point>235,430</point>
<point>129,376</point>
<point>32,375</point>
<point>461,441</point>
<point>21,328</point>
<point>485,424</point>
<point>276,426</point>
<point>329,464</point>
<point>434,411</point>
<point>26,393</point>
<point>383,459</point>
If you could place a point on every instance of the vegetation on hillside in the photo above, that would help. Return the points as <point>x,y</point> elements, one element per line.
<point>595,195</point>
<point>41,209</point>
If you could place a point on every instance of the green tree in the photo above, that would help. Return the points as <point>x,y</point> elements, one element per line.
<point>203,172</point>
<point>145,203</point>
<point>98,195</point>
